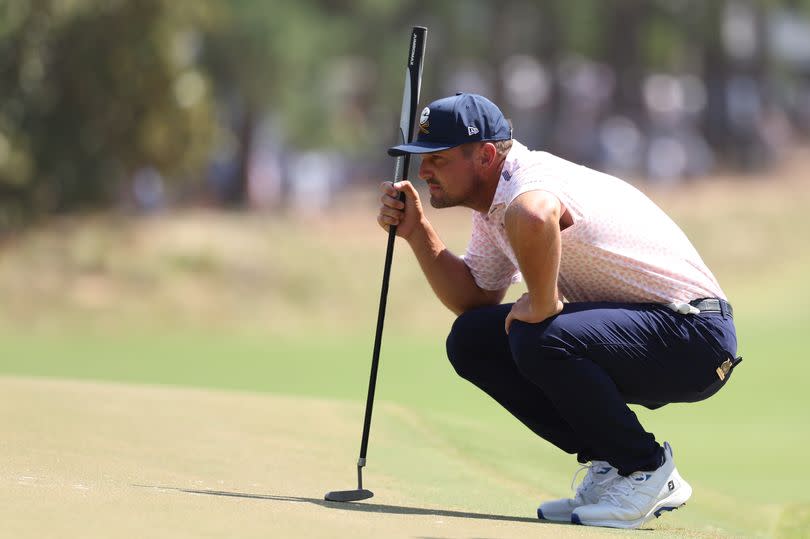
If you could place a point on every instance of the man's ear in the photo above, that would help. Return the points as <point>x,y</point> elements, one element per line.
<point>487,154</point>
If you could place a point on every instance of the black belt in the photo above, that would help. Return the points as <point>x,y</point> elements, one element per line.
<point>713,305</point>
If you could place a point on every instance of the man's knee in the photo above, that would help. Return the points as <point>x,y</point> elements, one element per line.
<point>460,344</point>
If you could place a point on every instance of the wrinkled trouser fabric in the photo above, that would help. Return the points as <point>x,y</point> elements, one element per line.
<point>570,378</point>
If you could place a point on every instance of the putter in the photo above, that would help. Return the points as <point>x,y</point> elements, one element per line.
<point>410,99</point>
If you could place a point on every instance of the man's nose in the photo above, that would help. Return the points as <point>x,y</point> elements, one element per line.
<point>424,170</point>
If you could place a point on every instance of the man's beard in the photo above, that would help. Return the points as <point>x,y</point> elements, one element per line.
<point>443,203</point>
<point>446,202</point>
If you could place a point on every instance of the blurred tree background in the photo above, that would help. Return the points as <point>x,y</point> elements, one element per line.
<point>152,103</point>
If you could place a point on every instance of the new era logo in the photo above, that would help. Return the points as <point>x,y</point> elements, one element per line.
<point>472,130</point>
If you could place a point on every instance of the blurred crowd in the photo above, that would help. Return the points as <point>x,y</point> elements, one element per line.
<point>677,126</point>
<point>282,104</point>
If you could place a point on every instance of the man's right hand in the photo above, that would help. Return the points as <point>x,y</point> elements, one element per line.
<point>405,215</point>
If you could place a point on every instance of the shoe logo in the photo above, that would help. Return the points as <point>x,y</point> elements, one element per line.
<point>641,477</point>
<point>671,485</point>
<point>601,471</point>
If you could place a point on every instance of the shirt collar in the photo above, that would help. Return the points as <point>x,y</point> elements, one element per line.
<point>510,167</point>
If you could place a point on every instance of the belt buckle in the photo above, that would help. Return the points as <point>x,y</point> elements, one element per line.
<point>723,370</point>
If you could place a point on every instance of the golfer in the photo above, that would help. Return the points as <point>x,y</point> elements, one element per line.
<point>620,307</point>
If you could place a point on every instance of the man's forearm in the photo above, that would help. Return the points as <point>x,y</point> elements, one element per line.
<point>447,273</point>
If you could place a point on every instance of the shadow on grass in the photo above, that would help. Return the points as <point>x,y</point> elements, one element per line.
<point>364,507</point>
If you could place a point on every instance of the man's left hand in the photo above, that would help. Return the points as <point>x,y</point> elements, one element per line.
<point>523,310</point>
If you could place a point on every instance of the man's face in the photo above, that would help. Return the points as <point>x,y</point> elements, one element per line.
<point>452,177</point>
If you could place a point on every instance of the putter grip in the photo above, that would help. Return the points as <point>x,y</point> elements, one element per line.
<point>392,230</point>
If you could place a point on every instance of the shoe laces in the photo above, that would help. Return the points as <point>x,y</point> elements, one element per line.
<point>590,477</point>
<point>621,488</point>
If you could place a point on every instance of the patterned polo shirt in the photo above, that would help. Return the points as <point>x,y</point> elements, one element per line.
<point>621,246</point>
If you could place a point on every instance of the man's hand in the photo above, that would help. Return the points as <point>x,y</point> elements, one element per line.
<point>522,310</point>
<point>405,215</point>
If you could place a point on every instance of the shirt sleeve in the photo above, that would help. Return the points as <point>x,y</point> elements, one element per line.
<point>489,266</point>
<point>546,175</point>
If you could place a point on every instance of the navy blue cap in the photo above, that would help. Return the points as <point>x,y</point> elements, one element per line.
<point>452,121</point>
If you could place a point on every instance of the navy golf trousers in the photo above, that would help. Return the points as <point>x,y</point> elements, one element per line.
<point>570,378</point>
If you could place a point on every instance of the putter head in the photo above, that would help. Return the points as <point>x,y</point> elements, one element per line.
<point>348,495</point>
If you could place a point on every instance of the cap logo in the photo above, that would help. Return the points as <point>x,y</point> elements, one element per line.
<point>472,130</point>
<point>423,121</point>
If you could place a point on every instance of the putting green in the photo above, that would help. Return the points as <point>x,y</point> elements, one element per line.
<point>85,459</point>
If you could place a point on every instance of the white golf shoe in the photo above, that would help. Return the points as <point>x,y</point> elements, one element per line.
<point>600,473</point>
<point>630,501</point>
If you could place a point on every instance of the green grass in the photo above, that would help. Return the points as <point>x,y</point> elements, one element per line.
<point>794,522</point>
<point>740,449</point>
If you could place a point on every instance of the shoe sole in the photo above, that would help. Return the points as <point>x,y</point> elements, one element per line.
<point>623,524</point>
<point>543,517</point>
<point>665,505</point>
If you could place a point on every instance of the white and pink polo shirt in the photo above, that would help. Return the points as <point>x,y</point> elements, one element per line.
<point>621,246</point>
